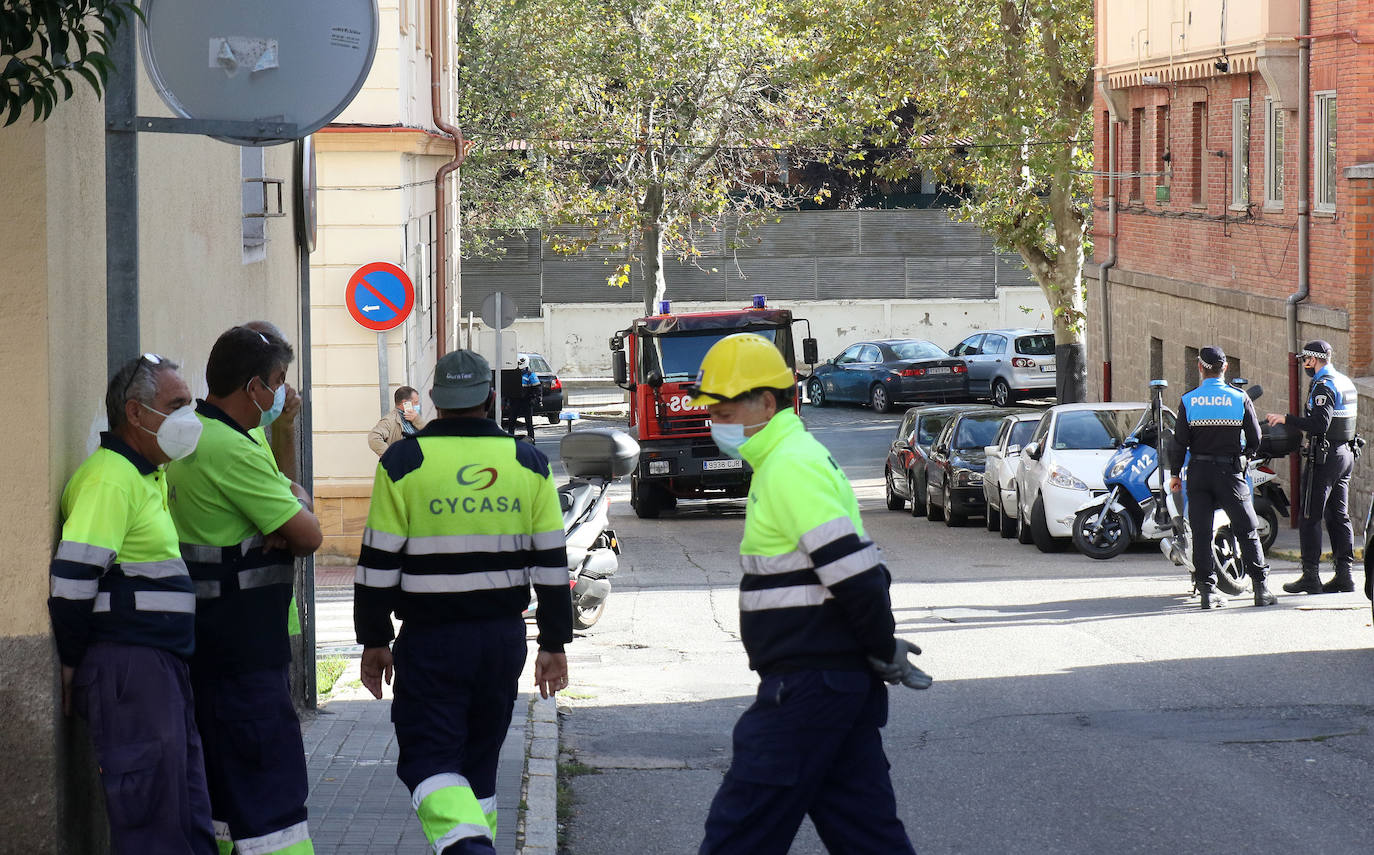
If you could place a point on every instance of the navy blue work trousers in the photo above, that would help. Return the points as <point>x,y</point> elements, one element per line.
<point>137,701</point>
<point>455,690</point>
<point>809,745</point>
<point>254,754</point>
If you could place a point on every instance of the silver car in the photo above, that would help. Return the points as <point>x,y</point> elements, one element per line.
<point>1005,365</point>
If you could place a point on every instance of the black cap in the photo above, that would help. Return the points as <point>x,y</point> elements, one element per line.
<point>1318,349</point>
<point>462,380</point>
<point>1212,357</point>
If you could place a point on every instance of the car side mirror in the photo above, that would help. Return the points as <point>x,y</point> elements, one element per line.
<point>655,379</point>
<point>902,444</point>
<point>1032,450</point>
<point>810,352</point>
<point>953,351</point>
<point>620,368</point>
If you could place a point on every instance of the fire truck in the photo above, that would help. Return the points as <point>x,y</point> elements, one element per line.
<point>655,359</point>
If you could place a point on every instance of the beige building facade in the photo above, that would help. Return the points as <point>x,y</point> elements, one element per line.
<point>202,268</point>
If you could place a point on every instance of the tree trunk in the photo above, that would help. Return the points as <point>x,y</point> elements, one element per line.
<point>651,249</point>
<point>1062,283</point>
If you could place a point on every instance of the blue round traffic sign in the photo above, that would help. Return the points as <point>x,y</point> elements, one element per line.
<point>380,296</point>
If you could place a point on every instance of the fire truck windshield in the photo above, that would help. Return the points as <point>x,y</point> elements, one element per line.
<point>679,356</point>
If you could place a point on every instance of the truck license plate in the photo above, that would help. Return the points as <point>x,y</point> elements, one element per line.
<point>722,464</point>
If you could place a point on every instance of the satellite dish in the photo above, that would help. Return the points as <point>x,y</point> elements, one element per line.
<point>298,62</point>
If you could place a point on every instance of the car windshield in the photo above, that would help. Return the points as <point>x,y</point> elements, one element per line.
<point>679,356</point>
<point>539,365</point>
<point>1040,344</point>
<point>930,426</point>
<point>917,349</point>
<point>976,432</point>
<point>1088,430</point>
<point>1021,431</point>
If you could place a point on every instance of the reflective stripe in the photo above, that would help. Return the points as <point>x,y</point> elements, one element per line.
<point>85,553</point>
<point>549,539</point>
<point>374,578</point>
<point>436,782</point>
<point>261,577</point>
<point>791,597</point>
<point>165,601</point>
<point>277,842</point>
<point>488,806</point>
<point>462,831</point>
<point>827,532</point>
<point>383,540</point>
<point>549,575</point>
<point>202,554</point>
<point>102,602</point>
<point>453,544</point>
<point>765,565</point>
<point>453,583</point>
<point>165,569</point>
<point>851,565</point>
<point>74,589</point>
<point>207,589</point>
<point>448,811</point>
<point>222,831</point>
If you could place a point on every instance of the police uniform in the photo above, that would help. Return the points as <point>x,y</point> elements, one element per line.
<point>123,615</point>
<point>814,609</point>
<point>224,498</point>
<point>1216,424</point>
<point>463,519</point>
<point>1328,419</point>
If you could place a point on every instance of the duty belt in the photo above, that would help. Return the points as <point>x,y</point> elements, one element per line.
<point>1230,459</point>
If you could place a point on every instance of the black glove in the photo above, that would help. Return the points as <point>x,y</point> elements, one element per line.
<point>900,669</point>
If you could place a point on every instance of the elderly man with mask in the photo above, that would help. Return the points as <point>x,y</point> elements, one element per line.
<point>123,616</point>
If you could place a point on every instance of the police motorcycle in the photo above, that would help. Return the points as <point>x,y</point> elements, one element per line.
<point>594,458</point>
<point>1105,525</point>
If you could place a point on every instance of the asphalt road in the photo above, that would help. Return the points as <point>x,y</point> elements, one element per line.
<point>1079,706</point>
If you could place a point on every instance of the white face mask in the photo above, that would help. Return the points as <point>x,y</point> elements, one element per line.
<point>729,438</point>
<point>267,416</point>
<point>179,432</point>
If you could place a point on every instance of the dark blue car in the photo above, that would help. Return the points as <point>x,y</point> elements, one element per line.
<point>882,373</point>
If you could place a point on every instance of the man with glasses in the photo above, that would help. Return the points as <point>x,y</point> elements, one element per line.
<point>123,612</point>
<point>240,522</point>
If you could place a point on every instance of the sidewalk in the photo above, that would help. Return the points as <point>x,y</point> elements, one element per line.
<point>359,807</point>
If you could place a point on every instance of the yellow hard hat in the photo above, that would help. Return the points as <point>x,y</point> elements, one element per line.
<point>738,364</point>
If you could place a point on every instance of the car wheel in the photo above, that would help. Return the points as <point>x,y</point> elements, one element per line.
<point>1001,393</point>
<point>552,417</point>
<point>815,390</point>
<point>992,518</point>
<point>894,501</point>
<point>1040,529</point>
<point>644,498</point>
<point>1007,523</point>
<point>1023,532</point>
<point>934,512</point>
<point>877,399</point>
<point>952,519</point>
<point>918,496</point>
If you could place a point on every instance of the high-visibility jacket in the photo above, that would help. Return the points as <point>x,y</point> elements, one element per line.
<point>463,519</point>
<point>225,496</point>
<point>118,574</point>
<point>814,594</point>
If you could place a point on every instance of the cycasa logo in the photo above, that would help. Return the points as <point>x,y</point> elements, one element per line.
<point>468,481</point>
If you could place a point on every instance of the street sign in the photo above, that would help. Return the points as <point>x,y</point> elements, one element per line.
<point>494,305</point>
<point>379,296</point>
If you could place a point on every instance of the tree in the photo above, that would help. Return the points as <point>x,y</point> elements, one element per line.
<point>46,44</point>
<point>992,95</point>
<point>644,124</point>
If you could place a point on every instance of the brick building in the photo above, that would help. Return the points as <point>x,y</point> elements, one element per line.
<point>1198,119</point>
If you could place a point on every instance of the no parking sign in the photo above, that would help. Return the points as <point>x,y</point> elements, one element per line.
<point>380,296</point>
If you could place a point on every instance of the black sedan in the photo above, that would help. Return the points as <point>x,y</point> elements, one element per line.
<point>905,470</point>
<point>954,468</point>
<point>881,373</point>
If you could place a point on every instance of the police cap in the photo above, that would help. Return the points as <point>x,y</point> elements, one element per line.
<point>1212,357</point>
<point>1317,349</point>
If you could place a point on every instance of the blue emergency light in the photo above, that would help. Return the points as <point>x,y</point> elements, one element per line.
<point>664,307</point>
<point>760,301</point>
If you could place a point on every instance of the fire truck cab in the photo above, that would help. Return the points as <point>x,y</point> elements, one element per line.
<point>655,359</point>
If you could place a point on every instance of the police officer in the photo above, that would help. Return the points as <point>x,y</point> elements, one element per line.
<point>1329,422</point>
<point>816,622</point>
<point>123,615</point>
<point>463,518</point>
<point>1217,424</point>
<point>240,522</point>
<point>522,401</point>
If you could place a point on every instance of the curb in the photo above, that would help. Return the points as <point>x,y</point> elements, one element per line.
<point>1295,555</point>
<point>539,805</point>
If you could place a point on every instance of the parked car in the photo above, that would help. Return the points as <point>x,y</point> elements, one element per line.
<point>954,471</point>
<point>1004,365</point>
<point>549,403</point>
<point>881,373</point>
<point>999,469</point>
<point>905,470</point>
<point>1061,466</point>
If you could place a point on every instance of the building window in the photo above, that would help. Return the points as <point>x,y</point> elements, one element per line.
<point>429,287</point>
<point>1199,164</point>
<point>1162,155</point>
<point>1156,358</point>
<point>1273,154</point>
<point>1324,170</point>
<point>1190,373</point>
<point>1240,153</point>
<point>1137,165</point>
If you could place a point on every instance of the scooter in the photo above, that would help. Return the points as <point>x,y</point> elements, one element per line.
<point>1104,526</point>
<point>594,458</point>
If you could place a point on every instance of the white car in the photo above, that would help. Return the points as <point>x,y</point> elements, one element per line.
<point>1060,467</point>
<point>999,470</point>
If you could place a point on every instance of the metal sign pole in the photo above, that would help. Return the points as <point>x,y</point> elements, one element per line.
<point>499,366</point>
<point>121,203</point>
<point>383,373</point>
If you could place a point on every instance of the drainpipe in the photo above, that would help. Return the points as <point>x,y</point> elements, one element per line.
<point>1304,234</point>
<point>460,150</point>
<point>1109,262</point>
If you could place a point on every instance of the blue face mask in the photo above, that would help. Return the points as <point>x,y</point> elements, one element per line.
<point>278,403</point>
<point>729,438</point>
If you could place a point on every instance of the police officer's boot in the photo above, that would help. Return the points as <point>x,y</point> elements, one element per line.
<point>1263,596</point>
<point>1341,583</point>
<point>1213,600</point>
<point>1308,583</point>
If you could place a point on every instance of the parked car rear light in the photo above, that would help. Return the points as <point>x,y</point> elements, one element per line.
<point>1266,470</point>
<point>1022,362</point>
<point>556,384</point>
<point>913,372</point>
<point>960,369</point>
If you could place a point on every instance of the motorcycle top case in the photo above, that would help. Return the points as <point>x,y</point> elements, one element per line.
<point>599,453</point>
<point>1279,440</point>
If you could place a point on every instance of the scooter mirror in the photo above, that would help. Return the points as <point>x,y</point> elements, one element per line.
<point>1255,391</point>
